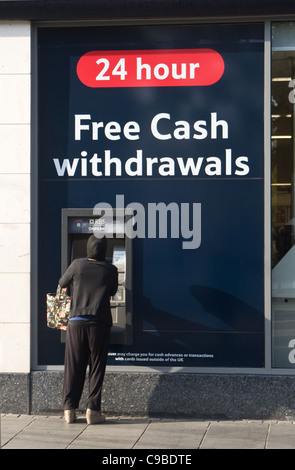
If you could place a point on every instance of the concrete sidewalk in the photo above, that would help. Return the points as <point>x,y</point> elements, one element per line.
<point>51,432</point>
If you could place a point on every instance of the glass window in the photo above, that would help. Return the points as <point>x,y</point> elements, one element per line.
<point>283,195</point>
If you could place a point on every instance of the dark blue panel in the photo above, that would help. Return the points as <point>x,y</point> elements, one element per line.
<point>203,305</point>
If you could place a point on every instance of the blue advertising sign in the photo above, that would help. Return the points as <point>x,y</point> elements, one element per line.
<point>167,120</point>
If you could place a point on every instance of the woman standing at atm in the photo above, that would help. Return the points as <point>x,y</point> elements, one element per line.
<point>91,282</point>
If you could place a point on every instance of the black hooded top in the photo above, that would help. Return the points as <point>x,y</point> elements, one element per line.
<point>96,248</point>
<point>91,282</point>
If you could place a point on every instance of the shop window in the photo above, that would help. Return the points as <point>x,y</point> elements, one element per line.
<point>283,194</point>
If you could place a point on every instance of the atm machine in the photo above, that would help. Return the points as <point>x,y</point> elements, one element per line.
<point>77,226</point>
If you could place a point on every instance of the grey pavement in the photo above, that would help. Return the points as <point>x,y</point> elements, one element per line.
<point>52,432</point>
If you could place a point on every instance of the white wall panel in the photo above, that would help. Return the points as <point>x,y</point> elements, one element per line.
<point>15,117</point>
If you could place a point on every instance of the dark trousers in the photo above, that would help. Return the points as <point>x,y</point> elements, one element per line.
<point>85,344</point>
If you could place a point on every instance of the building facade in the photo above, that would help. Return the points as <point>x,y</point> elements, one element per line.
<point>180,117</point>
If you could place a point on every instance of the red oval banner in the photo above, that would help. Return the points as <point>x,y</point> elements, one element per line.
<point>150,68</point>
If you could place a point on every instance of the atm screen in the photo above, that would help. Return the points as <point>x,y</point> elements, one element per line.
<point>115,252</point>
<point>78,247</point>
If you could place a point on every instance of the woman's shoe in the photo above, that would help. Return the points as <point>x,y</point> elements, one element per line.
<point>70,416</point>
<point>94,417</point>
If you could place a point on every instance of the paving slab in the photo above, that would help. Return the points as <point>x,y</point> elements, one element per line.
<point>172,435</point>
<point>44,433</point>
<point>236,435</point>
<point>281,436</point>
<point>13,425</point>
<point>113,434</point>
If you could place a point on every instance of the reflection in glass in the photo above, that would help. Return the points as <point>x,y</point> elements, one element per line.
<point>283,198</point>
